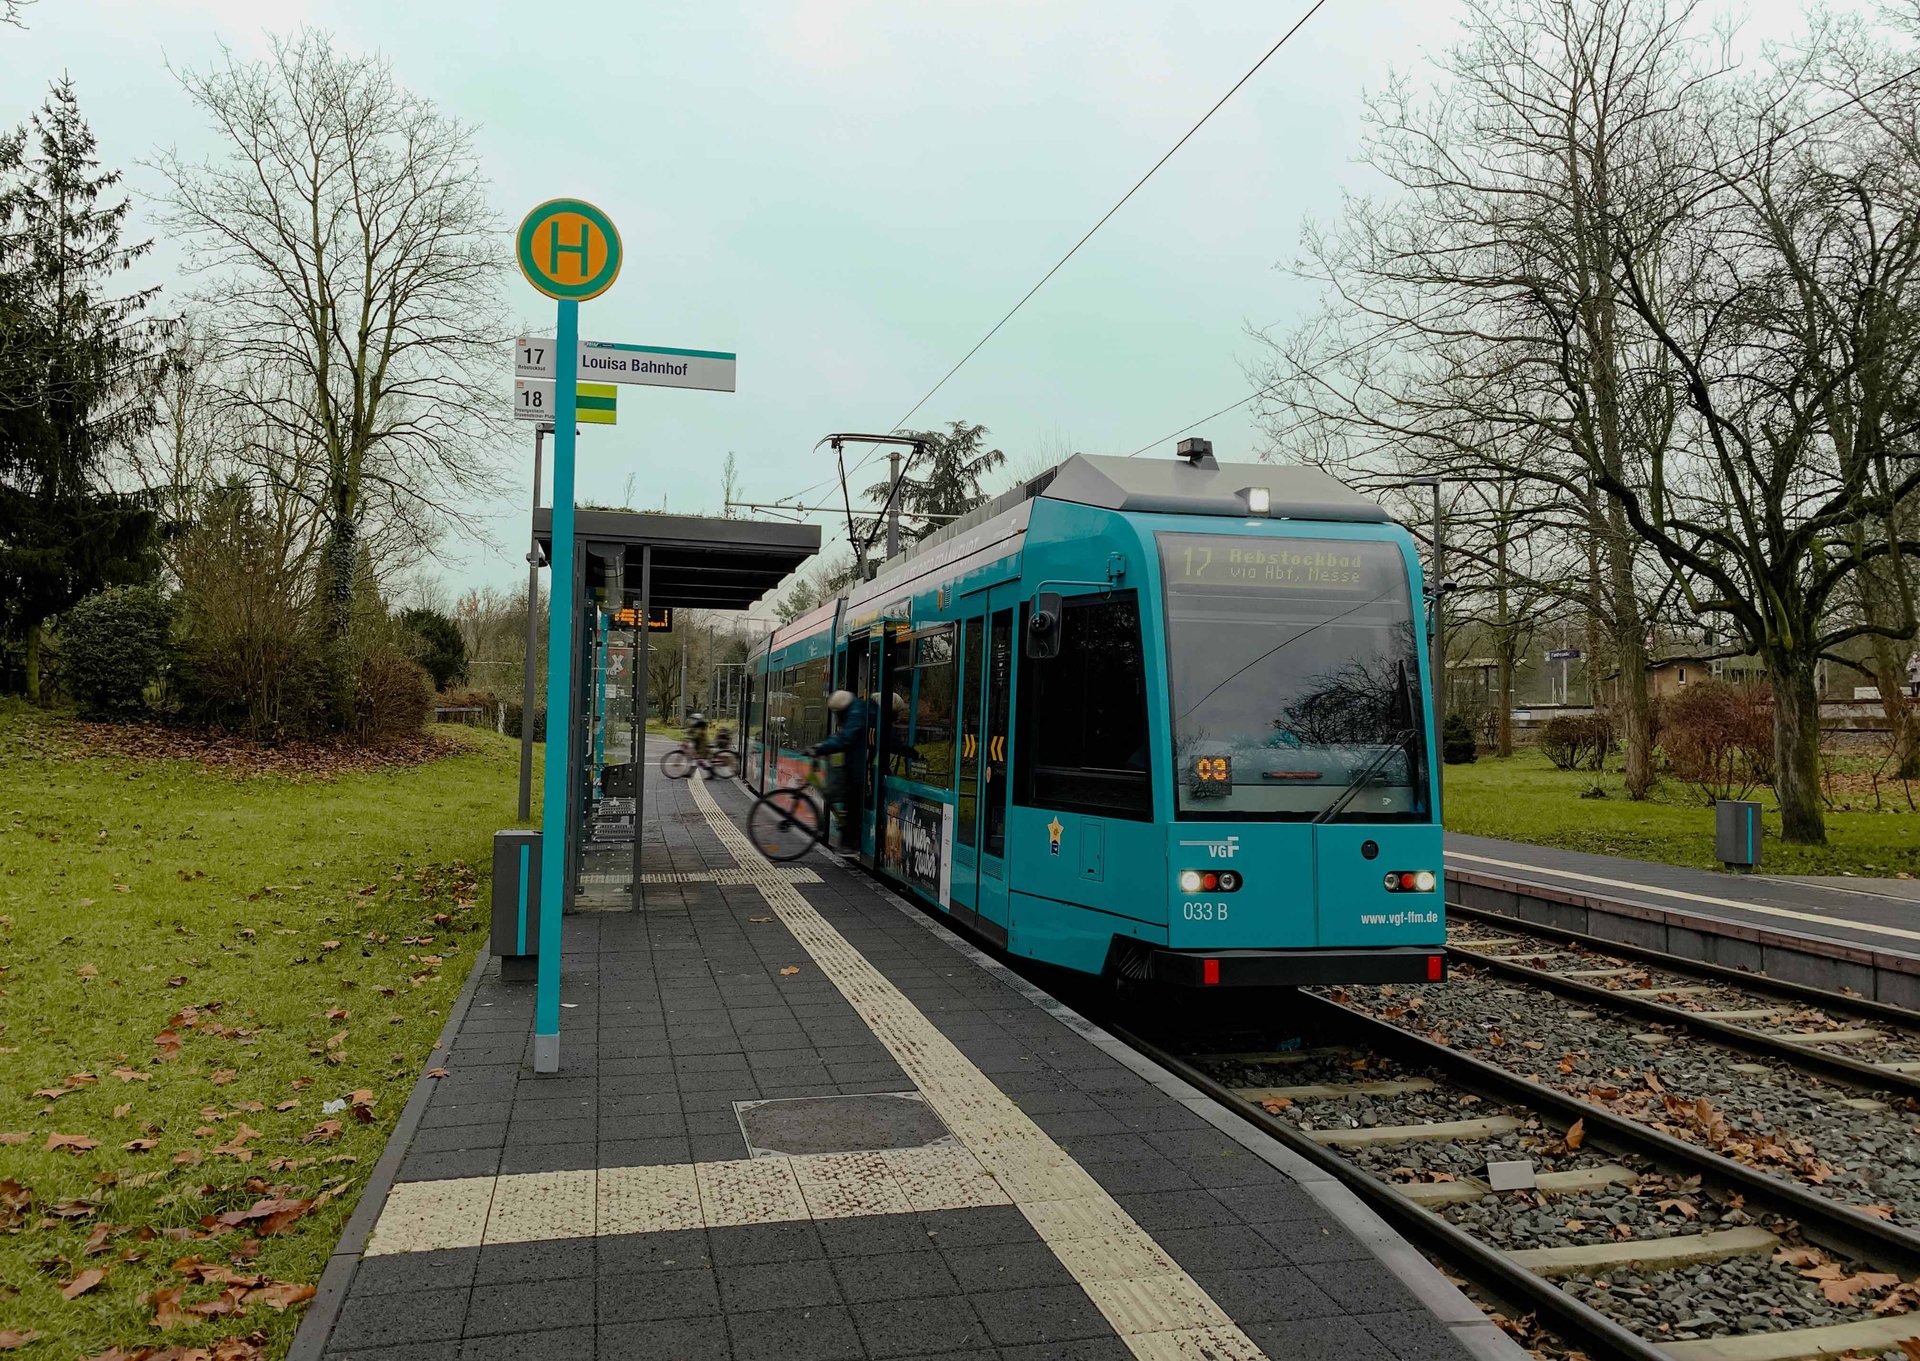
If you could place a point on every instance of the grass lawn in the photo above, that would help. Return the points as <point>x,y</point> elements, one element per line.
<point>1523,798</point>
<point>191,964</point>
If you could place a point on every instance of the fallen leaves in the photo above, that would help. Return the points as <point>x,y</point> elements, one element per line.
<point>167,1042</point>
<point>323,1133</point>
<point>436,1072</point>
<point>82,1283</point>
<point>361,1104</point>
<point>12,1339</point>
<point>790,970</point>
<point>132,1075</point>
<point>15,1201</point>
<point>222,1076</point>
<point>74,1143</point>
<point>1273,1105</point>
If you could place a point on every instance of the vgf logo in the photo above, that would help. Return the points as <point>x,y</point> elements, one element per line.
<point>1220,850</point>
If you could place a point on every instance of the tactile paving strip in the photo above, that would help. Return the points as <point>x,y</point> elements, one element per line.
<point>1159,1311</point>
<point>422,1216</point>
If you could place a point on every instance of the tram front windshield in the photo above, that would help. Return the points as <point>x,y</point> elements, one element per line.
<point>1295,680</point>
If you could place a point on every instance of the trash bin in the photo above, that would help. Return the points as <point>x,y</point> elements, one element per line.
<point>1737,833</point>
<point>516,903</point>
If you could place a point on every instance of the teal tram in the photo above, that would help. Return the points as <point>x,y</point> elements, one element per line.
<point>1162,720</point>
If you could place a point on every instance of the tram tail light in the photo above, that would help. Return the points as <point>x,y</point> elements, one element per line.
<point>1210,972</point>
<point>1210,881</point>
<point>1410,881</point>
<point>1436,968</point>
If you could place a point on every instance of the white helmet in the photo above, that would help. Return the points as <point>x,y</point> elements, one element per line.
<point>699,718</point>
<point>839,700</point>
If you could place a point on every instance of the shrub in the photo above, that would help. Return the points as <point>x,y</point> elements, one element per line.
<point>114,645</point>
<point>434,641</point>
<point>392,696</point>
<point>466,697</point>
<point>250,657</point>
<point>1577,741</point>
<point>1457,747</point>
<point>1718,738</point>
<point>513,721</point>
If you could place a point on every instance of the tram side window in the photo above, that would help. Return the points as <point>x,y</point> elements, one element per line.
<point>750,743</point>
<point>1083,744</point>
<point>809,689</point>
<point>925,716</point>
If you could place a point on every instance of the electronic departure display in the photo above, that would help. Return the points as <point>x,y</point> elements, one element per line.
<point>1214,561</point>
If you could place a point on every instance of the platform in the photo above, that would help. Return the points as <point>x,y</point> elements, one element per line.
<point>948,1162</point>
<point>1862,934</point>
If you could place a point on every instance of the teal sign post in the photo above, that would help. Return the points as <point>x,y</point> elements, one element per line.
<point>570,251</point>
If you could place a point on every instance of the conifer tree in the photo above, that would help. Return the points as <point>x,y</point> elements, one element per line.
<point>79,365</point>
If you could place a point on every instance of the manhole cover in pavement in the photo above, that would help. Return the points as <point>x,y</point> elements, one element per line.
<point>792,1126</point>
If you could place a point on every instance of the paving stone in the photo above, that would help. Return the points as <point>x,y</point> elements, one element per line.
<point>999,1266</point>
<point>971,1228</point>
<point>659,1295</point>
<point>1364,1287</point>
<point>449,1164</point>
<point>1411,1336</point>
<point>416,1351</point>
<point>1045,1314</point>
<point>450,1268</point>
<point>542,1261</point>
<point>371,1321</point>
<point>890,1328</point>
<point>1324,1339</point>
<point>553,1344</point>
<point>741,1244</point>
<point>875,1235</point>
<point>701,1340</point>
<point>778,1285</point>
<point>902,1276</point>
<point>821,1334</point>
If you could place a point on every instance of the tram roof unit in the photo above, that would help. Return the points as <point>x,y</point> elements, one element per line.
<point>1169,487</point>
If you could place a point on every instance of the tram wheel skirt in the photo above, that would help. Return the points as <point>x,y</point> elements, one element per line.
<point>1292,968</point>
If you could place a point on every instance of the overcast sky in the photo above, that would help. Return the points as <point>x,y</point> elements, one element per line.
<point>847,193</point>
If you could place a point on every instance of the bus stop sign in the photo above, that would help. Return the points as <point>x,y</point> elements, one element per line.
<point>569,250</point>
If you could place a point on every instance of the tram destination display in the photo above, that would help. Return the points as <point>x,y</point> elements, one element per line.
<point>1229,562</point>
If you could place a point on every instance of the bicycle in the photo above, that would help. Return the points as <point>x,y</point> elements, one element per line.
<point>786,823</point>
<point>677,763</point>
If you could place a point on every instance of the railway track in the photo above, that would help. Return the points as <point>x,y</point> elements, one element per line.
<point>1626,1242</point>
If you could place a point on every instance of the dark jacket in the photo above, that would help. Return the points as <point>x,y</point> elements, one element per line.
<point>852,734</point>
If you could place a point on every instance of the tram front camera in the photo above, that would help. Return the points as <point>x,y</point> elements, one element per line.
<point>1043,626</point>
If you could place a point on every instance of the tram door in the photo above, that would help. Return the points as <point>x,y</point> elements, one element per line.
<point>990,762</point>
<point>864,653</point>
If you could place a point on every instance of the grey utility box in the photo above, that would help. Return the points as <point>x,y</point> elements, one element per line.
<point>1736,833</point>
<point>516,903</point>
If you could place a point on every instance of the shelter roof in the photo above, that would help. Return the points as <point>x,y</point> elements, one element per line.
<point>699,562</point>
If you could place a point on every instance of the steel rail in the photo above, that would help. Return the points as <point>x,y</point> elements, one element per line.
<point>1835,1067</point>
<point>1510,1283</point>
<point>1866,1008</point>
<point>1829,1222</point>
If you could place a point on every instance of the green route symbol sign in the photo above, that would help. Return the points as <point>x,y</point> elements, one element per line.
<point>569,250</point>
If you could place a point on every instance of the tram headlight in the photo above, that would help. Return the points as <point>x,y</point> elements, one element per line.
<point>1410,881</point>
<point>1189,881</point>
<point>1423,881</point>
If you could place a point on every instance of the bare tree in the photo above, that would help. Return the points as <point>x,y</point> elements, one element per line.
<point>349,250</point>
<point>1473,327</point>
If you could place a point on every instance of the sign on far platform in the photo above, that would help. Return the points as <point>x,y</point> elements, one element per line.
<point>594,403</point>
<point>569,250</point>
<point>612,362</point>
<point>659,618</point>
<point>1564,654</point>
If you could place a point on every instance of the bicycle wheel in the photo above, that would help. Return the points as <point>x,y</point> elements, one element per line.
<point>785,824</point>
<point>723,765</point>
<point>676,764</point>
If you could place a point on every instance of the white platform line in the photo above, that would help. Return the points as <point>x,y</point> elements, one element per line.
<point>1760,908</point>
<point>1155,1306</point>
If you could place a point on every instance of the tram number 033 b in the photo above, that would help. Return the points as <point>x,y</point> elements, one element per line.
<point>1202,911</point>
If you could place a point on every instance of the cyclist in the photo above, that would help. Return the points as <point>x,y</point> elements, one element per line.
<point>697,741</point>
<point>853,736</point>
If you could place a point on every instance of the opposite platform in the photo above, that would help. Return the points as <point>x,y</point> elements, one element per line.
<point>796,1119</point>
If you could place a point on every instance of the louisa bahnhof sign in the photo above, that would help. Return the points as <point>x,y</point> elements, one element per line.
<point>611,362</point>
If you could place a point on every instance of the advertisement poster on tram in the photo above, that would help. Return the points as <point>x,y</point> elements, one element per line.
<point>917,845</point>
